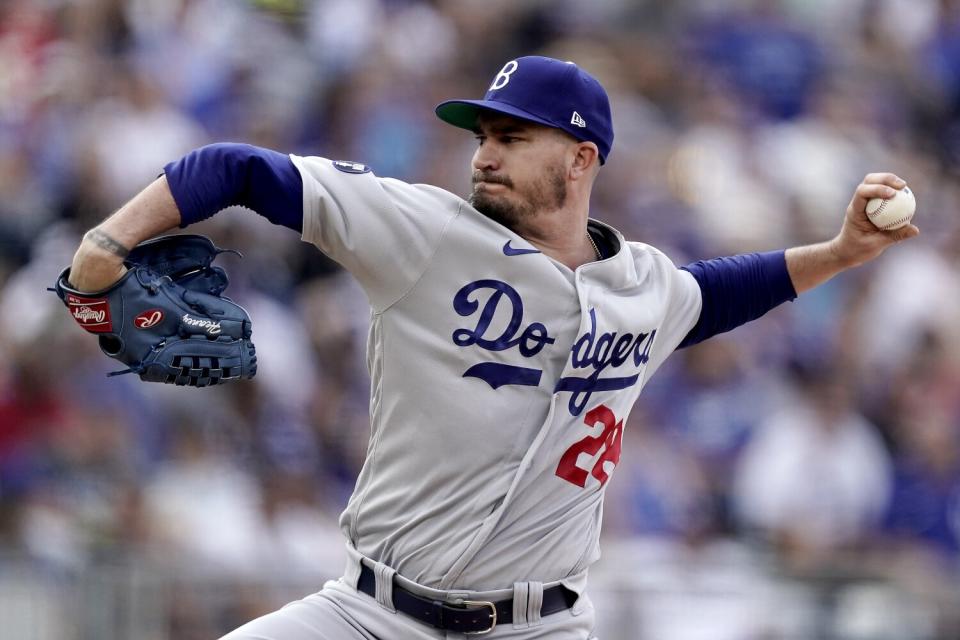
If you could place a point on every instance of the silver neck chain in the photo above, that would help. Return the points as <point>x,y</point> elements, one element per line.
<point>594,245</point>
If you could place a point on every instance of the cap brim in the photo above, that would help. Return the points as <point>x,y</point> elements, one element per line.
<point>463,113</point>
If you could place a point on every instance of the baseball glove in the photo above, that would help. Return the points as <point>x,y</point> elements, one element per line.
<point>166,318</point>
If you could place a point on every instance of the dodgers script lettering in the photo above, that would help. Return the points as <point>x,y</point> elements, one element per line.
<point>530,341</point>
<point>594,350</point>
<point>598,351</point>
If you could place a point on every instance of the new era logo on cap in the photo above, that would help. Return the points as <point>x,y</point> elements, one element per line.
<point>544,90</point>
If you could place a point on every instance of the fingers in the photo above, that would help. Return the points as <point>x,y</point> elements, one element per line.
<point>876,185</point>
<point>904,233</point>
<point>889,179</point>
<point>868,191</point>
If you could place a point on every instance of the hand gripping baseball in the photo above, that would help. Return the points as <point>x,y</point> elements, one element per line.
<point>166,318</point>
<point>860,239</point>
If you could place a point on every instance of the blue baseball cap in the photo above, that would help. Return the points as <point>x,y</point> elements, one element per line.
<point>543,90</point>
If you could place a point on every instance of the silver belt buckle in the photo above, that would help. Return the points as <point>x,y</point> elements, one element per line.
<point>481,603</point>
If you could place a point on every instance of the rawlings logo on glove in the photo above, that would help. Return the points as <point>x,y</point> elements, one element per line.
<point>166,318</point>
<point>148,318</point>
<point>93,314</point>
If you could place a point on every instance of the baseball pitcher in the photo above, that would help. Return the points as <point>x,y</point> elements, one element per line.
<point>511,335</point>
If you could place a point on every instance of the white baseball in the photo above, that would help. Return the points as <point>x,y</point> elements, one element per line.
<point>892,213</point>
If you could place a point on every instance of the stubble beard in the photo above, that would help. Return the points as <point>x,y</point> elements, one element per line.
<point>546,194</point>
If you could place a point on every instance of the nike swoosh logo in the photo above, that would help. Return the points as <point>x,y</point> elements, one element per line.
<point>510,251</point>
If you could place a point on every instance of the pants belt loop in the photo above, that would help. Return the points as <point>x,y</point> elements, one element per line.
<point>534,603</point>
<point>351,573</point>
<point>384,575</point>
<point>527,603</point>
<point>520,591</point>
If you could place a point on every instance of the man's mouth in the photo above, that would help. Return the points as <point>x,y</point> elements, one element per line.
<point>489,185</point>
<point>491,180</point>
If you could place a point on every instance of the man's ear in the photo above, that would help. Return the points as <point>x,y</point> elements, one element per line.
<point>585,160</point>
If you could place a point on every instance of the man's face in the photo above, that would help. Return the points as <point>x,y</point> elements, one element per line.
<point>518,169</point>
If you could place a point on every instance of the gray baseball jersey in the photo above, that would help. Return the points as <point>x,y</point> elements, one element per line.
<point>501,380</point>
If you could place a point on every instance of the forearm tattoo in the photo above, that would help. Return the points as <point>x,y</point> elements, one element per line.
<point>105,242</point>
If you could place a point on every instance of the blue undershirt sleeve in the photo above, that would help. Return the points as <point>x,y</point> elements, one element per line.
<point>227,174</point>
<point>736,290</point>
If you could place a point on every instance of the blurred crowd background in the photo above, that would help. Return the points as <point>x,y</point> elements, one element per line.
<point>798,478</point>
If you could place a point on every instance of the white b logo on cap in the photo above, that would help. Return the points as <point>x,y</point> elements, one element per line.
<point>504,76</point>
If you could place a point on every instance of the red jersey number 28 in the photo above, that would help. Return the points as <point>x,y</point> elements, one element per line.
<point>609,439</point>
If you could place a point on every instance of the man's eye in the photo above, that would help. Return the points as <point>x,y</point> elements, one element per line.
<point>479,139</point>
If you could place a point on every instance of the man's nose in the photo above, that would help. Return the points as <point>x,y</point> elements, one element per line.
<point>486,158</point>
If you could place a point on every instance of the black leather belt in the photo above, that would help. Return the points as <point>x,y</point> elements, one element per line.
<point>472,616</point>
